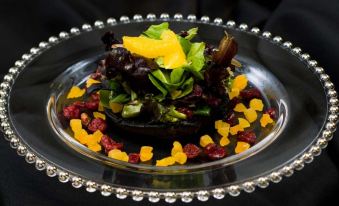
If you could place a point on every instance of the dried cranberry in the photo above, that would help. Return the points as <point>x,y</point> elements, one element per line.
<point>92,105</point>
<point>184,110</point>
<point>191,150</point>
<point>183,34</point>
<point>249,94</point>
<point>79,104</point>
<point>213,101</point>
<point>247,136</point>
<point>197,90</point>
<point>133,158</point>
<point>272,112</point>
<point>71,112</point>
<point>97,124</point>
<point>95,97</point>
<point>85,119</point>
<point>214,151</point>
<point>110,144</point>
<point>231,119</point>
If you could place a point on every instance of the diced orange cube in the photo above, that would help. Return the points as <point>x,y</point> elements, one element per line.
<point>75,92</point>
<point>243,123</point>
<point>257,104</point>
<point>265,120</point>
<point>205,140</point>
<point>240,107</point>
<point>99,115</point>
<point>224,141</point>
<point>241,147</point>
<point>235,129</point>
<point>91,81</point>
<point>233,93</point>
<point>75,125</point>
<point>251,115</point>
<point>240,82</point>
<point>95,147</point>
<point>180,157</point>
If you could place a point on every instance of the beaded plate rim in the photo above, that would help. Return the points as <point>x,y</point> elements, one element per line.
<point>249,186</point>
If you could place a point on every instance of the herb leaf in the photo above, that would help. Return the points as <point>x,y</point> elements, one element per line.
<point>192,33</point>
<point>176,75</point>
<point>155,31</point>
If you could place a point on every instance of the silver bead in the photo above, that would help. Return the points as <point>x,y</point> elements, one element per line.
<point>3,94</point>
<point>333,118</point>
<point>91,186</point>
<point>3,103</point>
<point>99,24</point>
<point>248,187</point>
<point>3,117</point>
<point>106,190</point>
<point>191,17</point>
<point>51,171</point>
<point>296,50</point>
<point>63,35</point>
<point>75,30</point>
<point>137,195</point>
<point>319,70</point>
<point>151,17</point>
<point>164,16</point>
<point>275,177</point>
<point>315,150</point>
<point>111,21</point>
<point>334,101</point>
<point>4,85</point>
<point>233,190</point>
<point>243,27</point>
<point>324,77</point>
<point>170,197</point>
<point>153,197</point>
<point>76,182</point>
<point>40,164</point>
<point>30,158</point>
<point>307,157</point>
<point>218,21</point>
<point>332,93</point>
<point>255,30</point>
<point>218,193</point>
<point>327,134</point>
<point>21,150</point>
<point>330,125</point>
<point>121,193</point>
<point>312,63</point>
<point>322,142</point>
<point>334,109</point>
<point>277,39</point>
<point>262,182</point>
<point>298,164</point>
<point>13,70</point>
<point>43,45</point>
<point>63,177</point>
<point>27,57</point>
<point>86,27</point>
<point>205,19</point>
<point>287,171</point>
<point>5,125</point>
<point>137,17</point>
<point>203,195</point>
<point>178,16</point>
<point>34,50</point>
<point>19,63</point>
<point>305,56</point>
<point>52,39</point>
<point>266,34</point>
<point>124,19</point>
<point>14,142</point>
<point>329,85</point>
<point>287,44</point>
<point>186,197</point>
<point>230,23</point>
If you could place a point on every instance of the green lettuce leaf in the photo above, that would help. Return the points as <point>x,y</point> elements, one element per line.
<point>155,31</point>
<point>158,86</point>
<point>120,98</point>
<point>185,44</point>
<point>176,75</point>
<point>191,33</point>
<point>196,56</point>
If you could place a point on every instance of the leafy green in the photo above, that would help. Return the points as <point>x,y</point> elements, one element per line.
<point>196,56</point>
<point>113,85</point>
<point>105,97</point>
<point>185,44</point>
<point>120,98</point>
<point>158,86</point>
<point>155,31</point>
<point>134,95</point>
<point>203,111</point>
<point>131,110</point>
<point>176,75</point>
<point>187,87</point>
<point>191,33</point>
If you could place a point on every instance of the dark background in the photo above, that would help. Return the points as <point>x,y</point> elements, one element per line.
<point>311,25</point>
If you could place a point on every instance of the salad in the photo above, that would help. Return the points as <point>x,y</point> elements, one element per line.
<point>163,83</point>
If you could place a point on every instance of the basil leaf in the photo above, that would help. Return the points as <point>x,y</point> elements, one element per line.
<point>196,56</point>
<point>158,86</point>
<point>155,31</point>
<point>120,98</point>
<point>191,33</point>
<point>176,75</point>
<point>105,97</point>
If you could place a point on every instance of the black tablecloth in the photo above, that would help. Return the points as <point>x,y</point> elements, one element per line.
<point>312,25</point>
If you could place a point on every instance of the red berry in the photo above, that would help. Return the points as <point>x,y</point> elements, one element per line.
<point>214,151</point>
<point>191,150</point>
<point>95,97</point>
<point>213,101</point>
<point>249,94</point>
<point>110,144</point>
<point>97,124</point>
<point>231,119</point>
<point>92,105</point>
<point>133,158</point>
<point>79,104</point>
<point>272,112</point>
<point>184,110</point>
<point>247,136</point>
<point>71,112</point>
